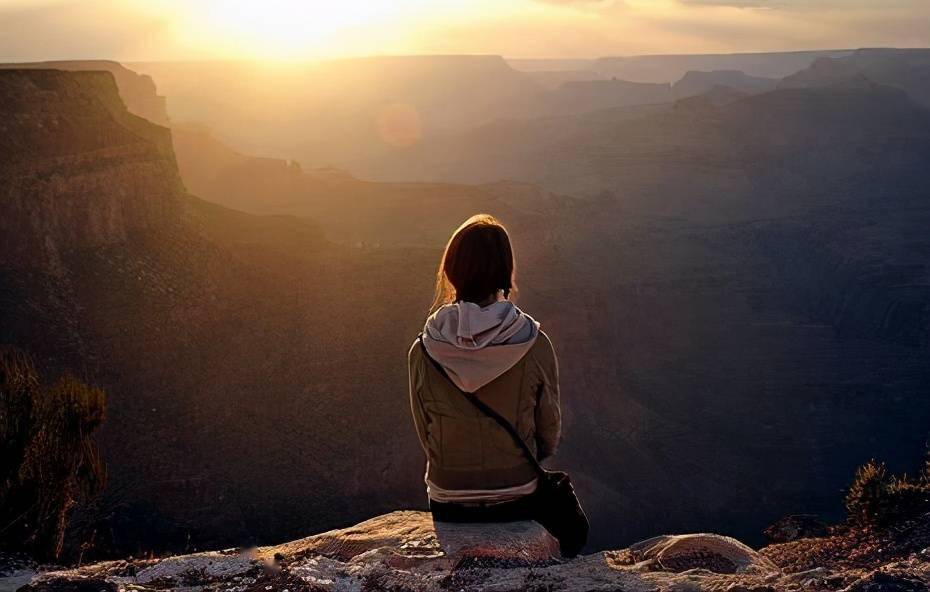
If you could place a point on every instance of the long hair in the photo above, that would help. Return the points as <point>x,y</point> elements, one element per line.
<point>478,263</point>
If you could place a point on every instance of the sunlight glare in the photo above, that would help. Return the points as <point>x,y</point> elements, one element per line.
<point>291,28</point>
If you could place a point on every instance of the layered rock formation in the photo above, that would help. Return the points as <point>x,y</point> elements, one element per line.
<point>79,171</point>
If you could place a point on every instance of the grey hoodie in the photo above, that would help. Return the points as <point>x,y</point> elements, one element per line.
<point>477,344</point>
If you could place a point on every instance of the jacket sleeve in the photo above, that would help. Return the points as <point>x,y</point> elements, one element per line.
<point>415,374</point>
<point>548,413</point>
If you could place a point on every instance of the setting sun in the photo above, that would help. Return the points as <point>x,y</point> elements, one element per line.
<point>289,29</point>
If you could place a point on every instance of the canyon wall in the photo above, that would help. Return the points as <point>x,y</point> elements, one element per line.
<point>79,171</point>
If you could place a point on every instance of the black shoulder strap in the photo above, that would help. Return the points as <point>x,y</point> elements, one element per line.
<point>484,408</point>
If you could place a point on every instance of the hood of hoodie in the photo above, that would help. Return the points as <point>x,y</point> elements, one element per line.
<point>477,344</point>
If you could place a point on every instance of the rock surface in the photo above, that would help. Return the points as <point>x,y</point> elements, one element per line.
<point>700,551</point>
<point>406,550</point>
<point>794,527</point>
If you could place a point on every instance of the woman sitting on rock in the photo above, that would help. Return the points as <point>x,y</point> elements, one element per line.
<point>482,375</point>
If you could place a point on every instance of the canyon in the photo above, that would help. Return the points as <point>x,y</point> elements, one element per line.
<point>736,286</point>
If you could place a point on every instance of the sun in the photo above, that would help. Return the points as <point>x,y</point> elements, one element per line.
<point>291,28</point>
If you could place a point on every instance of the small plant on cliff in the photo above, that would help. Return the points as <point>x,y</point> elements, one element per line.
<point>925,473</point>
<point>878,498</point>
<point>49,461</point>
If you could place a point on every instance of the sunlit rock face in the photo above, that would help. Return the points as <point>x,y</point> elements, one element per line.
<point>78,170</point>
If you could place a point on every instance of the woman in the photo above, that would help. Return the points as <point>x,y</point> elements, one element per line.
<point>478,342</point>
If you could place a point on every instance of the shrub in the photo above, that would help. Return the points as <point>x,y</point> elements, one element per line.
<point>877,498</point>
<point>866,494</point>
<point>49,462</point>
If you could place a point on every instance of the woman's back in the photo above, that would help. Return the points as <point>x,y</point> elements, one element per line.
<point>484,392</point>
<point>467,450</point>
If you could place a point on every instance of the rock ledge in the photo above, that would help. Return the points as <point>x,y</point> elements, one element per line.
<point>407,551</point>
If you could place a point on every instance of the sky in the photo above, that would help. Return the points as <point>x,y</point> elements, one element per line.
<point>136,30</point>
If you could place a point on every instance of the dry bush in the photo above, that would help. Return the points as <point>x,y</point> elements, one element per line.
<point>49,462</point>
<point>877,498</point>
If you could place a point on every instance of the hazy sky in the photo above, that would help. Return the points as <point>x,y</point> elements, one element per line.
<point>292,29</point>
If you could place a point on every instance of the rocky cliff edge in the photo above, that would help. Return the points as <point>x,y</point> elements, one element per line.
<point>406,550</point>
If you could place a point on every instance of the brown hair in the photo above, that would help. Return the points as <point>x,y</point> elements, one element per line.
<point>477,263</point>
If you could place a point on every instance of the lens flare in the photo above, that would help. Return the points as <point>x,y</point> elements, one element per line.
<point>399,125</point>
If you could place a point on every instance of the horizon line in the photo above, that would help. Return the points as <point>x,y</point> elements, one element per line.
<point>448,55</point>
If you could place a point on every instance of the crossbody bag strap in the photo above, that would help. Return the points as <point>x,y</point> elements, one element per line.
<point>487,410</point>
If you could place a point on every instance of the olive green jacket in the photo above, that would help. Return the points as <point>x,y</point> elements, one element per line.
<point>467,450</point>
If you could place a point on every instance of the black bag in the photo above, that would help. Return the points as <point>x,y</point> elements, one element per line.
<point>556,507</point>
